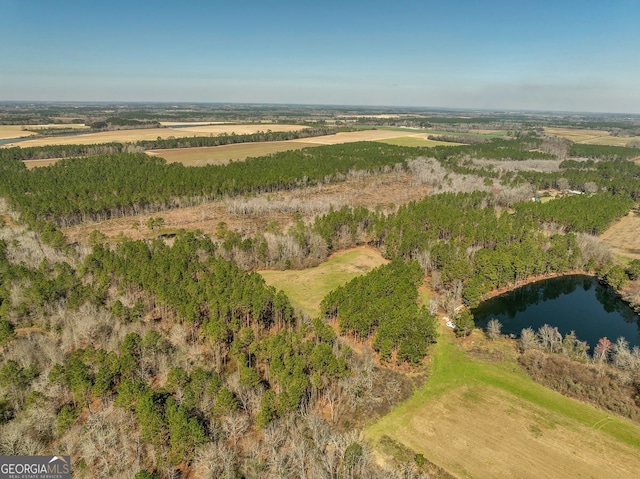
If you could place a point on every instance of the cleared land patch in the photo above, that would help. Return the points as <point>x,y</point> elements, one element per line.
<point>382,190</point>
<point>306,288</point>
<point>353,136</point>
<point>624,236</point>
<point>153,133</point>
<point>482,419</point>
<point>217,155</point>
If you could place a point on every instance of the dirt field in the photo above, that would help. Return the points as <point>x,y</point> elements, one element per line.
<point>306,288</point>
<point>218,155</point>
<point>364,135</point>
<point>483,419</point>
<point>153,133</point>
<point>624,236</point>
<point>373,191</point>
<point>593,137</point>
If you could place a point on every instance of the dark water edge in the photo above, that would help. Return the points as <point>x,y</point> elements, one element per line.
<point>577,303</point>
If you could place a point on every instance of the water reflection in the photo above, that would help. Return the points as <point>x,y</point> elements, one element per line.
<point>577,302</point>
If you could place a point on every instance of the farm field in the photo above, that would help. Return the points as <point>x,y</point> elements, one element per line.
<point>241,151</point>
<point>482,419</point>
<point>19,131</point>
<point>154,133</point>
<point>363,135</point>
<point>624,236</point>
<point>306,288</point>
<point>591,137</point>
<point>218,155</point>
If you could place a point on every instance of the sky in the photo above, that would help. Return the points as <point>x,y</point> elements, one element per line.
<point>515,55</point>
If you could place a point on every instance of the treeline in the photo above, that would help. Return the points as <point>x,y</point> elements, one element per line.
<point>468,247</point>
<point>101,187</point>
<point>619,177</point>
<point>604,152</point>
<point>119,123</point>
<point>72,151</point>
<point>579,213</point>
<point>466,139</point>
<point>382,305</point>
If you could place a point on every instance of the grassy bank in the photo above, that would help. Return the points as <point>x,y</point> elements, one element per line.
<point>481,418</point>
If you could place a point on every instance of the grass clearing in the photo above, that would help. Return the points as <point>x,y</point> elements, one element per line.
<point>306,288</point>
<point>484,419</point>
<point>624,236</point>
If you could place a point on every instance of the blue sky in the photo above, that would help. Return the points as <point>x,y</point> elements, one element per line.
<point>543,55</point>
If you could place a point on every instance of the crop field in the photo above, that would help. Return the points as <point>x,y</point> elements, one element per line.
<point>154,133</point>
<point>242,151</point>
<point>483,419</point>
<point>364,135</point>
<point>19,131</point>
<point>591,137</point>
<point>306,288</point>
<point>223,154</point>
<point>624,236</point>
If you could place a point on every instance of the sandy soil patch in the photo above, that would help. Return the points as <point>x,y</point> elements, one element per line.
<point>624,236</point>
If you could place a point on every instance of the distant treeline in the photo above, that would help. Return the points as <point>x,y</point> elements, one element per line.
<point>466,139</point>
<point>73,151</point>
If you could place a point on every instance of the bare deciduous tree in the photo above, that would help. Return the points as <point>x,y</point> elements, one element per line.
<point>494,327</point>
<point>528,340</point>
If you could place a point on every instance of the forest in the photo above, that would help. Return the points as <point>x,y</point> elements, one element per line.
<point>170,355</point>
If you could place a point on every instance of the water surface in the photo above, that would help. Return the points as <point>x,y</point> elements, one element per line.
<point>571,303</point>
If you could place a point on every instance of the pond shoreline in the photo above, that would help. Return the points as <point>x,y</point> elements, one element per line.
<point>573,301</point>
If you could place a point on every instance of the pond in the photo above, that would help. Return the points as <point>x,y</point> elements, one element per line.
<point>571,303</point>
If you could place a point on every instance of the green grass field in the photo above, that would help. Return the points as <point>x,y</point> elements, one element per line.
<point>306,288</point>
<point>480,418</point>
